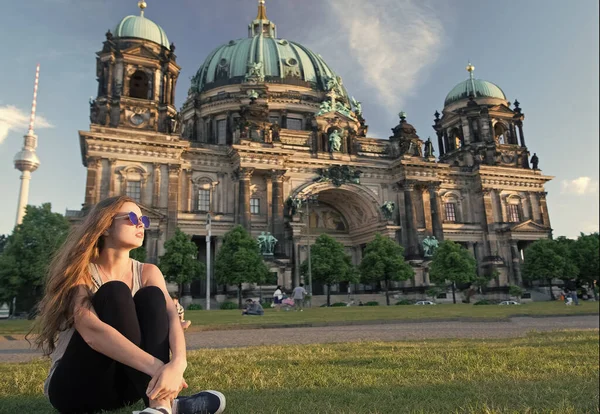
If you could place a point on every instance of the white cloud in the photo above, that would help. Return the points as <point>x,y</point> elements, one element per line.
<point>391,40</point>
<point>580,186</point>
<point>14,119</point>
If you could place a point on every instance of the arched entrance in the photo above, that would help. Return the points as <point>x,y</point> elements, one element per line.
<point>350,213</point>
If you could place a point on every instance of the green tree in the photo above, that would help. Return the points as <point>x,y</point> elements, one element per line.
<point>27,254</point>
<point>180,262</point>
<point>383,261</point>
<point>451,262</point>
<point>548,259</point>
<point>138,254</point>
<point>3,239</point>
<point>585,252</point>
<point>239,261</point>
<point>329,264</point>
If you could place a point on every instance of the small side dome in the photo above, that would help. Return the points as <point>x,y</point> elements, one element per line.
<point>477,87</point>
<point>139,27</point>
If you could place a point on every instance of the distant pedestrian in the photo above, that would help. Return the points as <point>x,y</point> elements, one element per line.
<point>278,298</point>
<point>253,308</point>
<point>298,295</point>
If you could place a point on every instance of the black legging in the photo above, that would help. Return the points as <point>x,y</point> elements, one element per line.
<point>86,381</point>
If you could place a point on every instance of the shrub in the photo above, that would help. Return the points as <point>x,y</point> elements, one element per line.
<point>515,291</point>
<point>339,304</point>
<point>372,303</point>
<point>228,305</point>
<point>195,306</point>
<point>403,302</point>
<point>483,302</point>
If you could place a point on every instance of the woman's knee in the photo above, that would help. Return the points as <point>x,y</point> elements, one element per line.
<point>116,294</point>
<point>150,295</point>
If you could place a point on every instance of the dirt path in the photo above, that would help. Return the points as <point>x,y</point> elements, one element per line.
<point>19,351</point>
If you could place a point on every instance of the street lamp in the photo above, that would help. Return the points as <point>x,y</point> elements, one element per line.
<point>208,235</point>
<point>308,200</point>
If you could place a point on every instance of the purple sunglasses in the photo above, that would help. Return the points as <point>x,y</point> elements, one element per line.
<point>135,220</point>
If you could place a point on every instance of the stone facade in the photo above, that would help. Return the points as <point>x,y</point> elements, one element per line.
<point>249,151</point>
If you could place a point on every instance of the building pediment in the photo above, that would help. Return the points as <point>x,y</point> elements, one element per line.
<point>501,110</point>
<point>527,227</point>
<point>141,51</point>
<point>152,213</point>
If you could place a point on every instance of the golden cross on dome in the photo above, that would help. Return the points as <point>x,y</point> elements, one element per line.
<point>262,11</point>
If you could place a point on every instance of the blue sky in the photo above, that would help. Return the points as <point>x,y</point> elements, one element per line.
<point>392,54</point>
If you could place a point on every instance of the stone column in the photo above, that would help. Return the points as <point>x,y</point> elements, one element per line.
<point>412,249</point>
<point>98,184</point>
<point>436,211</point>
<point>427,209</point>
<point>277,210</point>
<point>297,262</point>
<point>544,209</point>
<point>516,263</point>
<point>533,200</point>
<point>487,219</point>
<point>440,143</point>
<point>220,194</point>
<point>111,180</point>
<point>173,88</point>
<point>173,203</point>
<point>244,216</point>
<point>156,193</point>
<point>520,126</point>
<point>189,191</point>
<point>93,164</point>
<point>168,89</point>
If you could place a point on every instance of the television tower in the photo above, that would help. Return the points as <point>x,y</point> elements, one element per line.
<point>26,160</point>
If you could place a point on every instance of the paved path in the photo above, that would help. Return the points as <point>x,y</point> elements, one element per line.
<point>19,351</point>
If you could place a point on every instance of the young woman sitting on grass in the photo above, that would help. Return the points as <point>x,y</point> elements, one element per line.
<point>109,325</point>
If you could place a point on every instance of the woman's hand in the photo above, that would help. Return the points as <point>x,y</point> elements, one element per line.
<point>167,382</point>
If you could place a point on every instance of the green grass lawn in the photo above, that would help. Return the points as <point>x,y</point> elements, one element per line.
<point>218,320</point>
<point>554,372</point>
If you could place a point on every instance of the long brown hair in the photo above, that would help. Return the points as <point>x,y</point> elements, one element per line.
<point>69,269</point>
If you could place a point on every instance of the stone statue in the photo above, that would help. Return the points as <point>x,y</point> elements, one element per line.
<point>335,141</point>
<point>430,245</point>
<point>294,204</point>
<point>357,106</point>
<point>262,242</point>
<point>275,129</point>
<point>535,161</point>
<point>253,95</point>
<point>255,71</point>
<point>325,108</point>
<point>271,242</point>
<point>429,148</point>
<point>388,210</point>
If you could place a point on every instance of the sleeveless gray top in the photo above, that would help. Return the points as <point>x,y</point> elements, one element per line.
<point>64,337</point>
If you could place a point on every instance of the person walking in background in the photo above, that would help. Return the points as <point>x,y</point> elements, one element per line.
<point>298,295</point>
<point>277,298</point>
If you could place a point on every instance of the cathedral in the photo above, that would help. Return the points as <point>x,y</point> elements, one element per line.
<point>269,138</point>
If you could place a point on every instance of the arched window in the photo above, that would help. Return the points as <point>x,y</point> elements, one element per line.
<point>139,85</point>
<point>500,133</point>
<point>514,209</point>
<point>452,207</point>
<point>455,138</point>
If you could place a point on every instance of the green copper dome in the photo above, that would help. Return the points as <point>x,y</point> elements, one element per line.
<point>140,27</point>
<point>478,87</point>
<point>265,58</point>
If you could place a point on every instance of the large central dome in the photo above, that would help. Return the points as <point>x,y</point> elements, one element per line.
<point>267,57</point>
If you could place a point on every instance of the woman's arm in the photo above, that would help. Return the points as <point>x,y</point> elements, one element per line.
<point>105,339</point>
<point>168,381</point>
<point>154,277</point>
